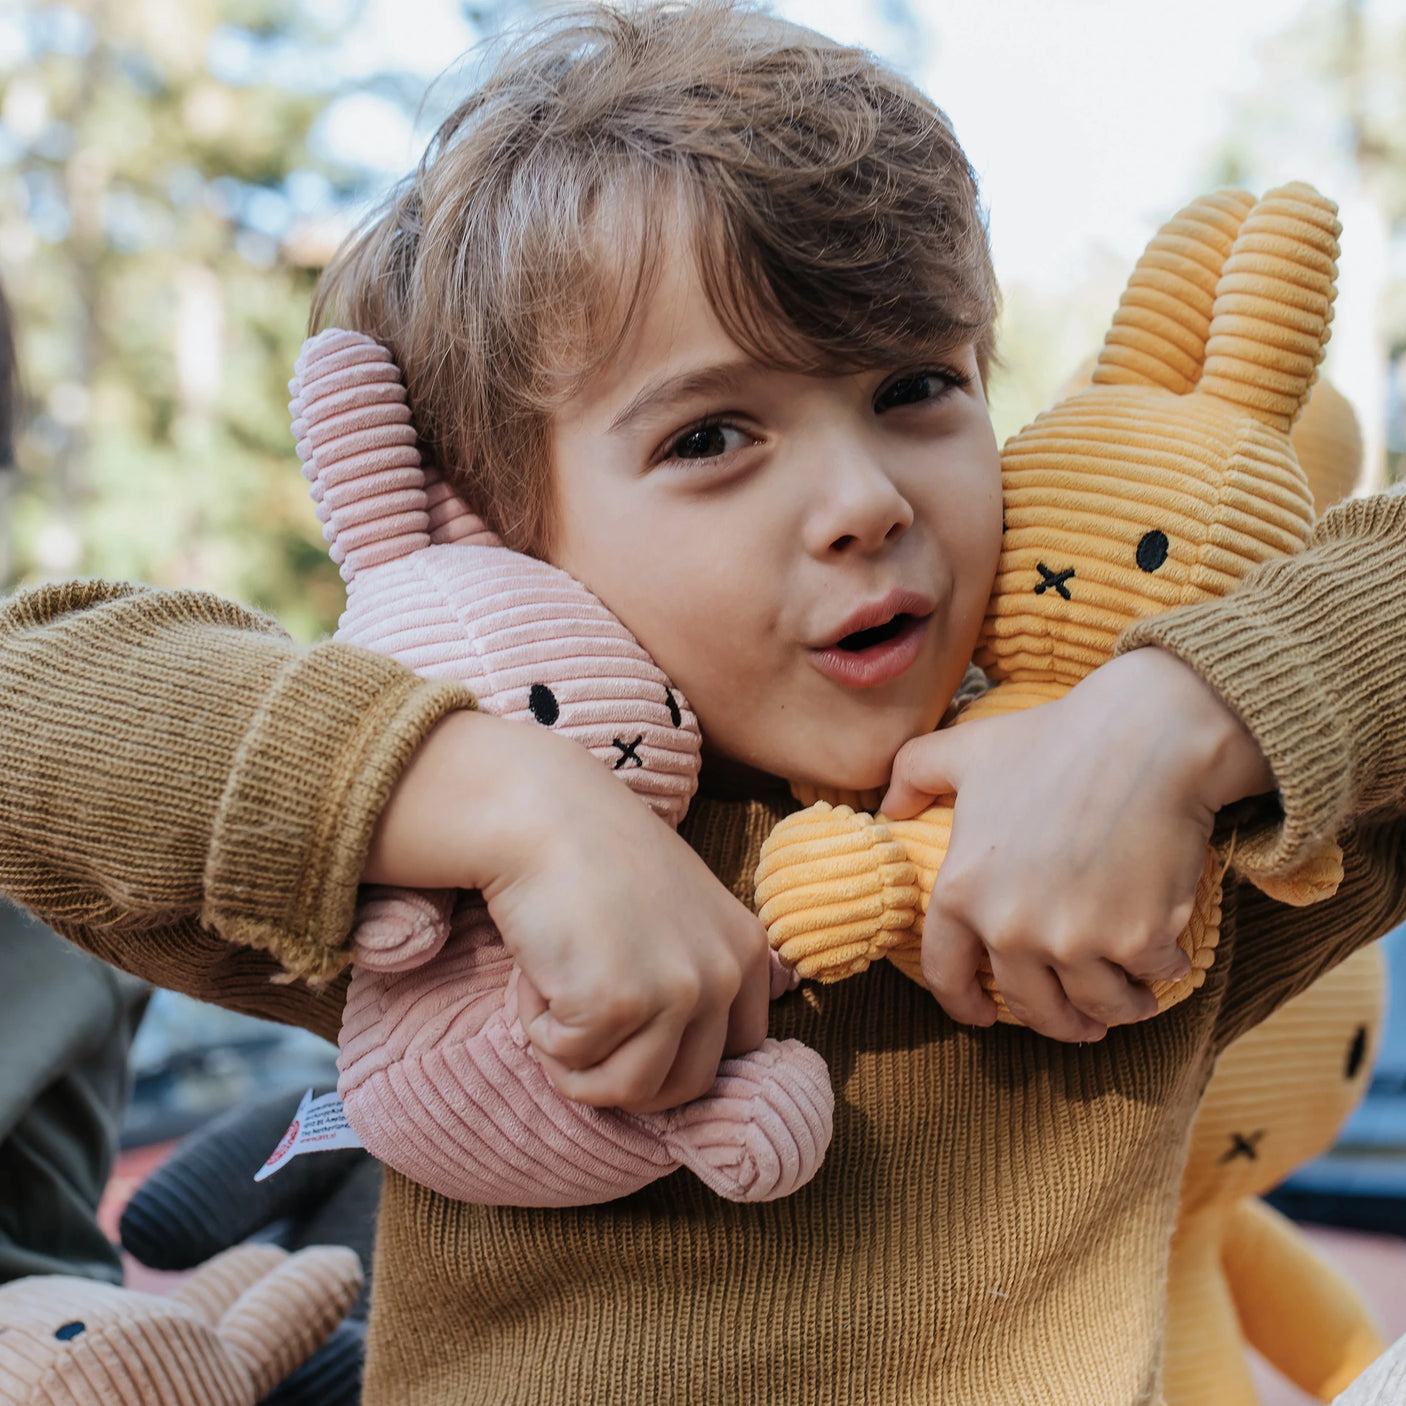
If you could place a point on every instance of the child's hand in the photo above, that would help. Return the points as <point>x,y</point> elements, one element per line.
<point>639,969</point>
<point>1079,833</point>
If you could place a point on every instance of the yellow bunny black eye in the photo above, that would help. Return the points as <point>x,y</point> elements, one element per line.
<point>1356,1053</point>
<point>1152,550</point>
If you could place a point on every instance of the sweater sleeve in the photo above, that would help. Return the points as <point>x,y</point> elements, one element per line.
<point>1311,654</point>
<point>188,793</point>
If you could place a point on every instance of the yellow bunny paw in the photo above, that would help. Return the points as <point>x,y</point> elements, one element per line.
<point>907,956</point>
<point>1316,879</point>
<point>835,891</point>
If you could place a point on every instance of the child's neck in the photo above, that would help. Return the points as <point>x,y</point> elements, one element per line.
<point>722,778</point>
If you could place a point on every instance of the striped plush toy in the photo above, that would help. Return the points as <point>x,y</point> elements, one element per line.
<point>1164,483</point>
<point>225,1337</point>
<point>437,1076</point>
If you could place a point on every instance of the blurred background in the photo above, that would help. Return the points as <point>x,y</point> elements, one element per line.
<point>173,174</point>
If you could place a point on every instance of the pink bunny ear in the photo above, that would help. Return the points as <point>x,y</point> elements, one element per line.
<point>354,436</point>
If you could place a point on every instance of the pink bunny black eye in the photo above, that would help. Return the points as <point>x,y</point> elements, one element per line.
<point>543,704</point>
<point>70,1330</point>
<point>675,715</point>
<point>1152,550</point>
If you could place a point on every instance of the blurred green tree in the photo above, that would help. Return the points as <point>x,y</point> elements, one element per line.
<point>165,204</point>
<point>1330,104</point>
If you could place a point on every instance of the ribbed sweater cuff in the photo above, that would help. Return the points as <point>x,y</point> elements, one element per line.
<point>1298,653</point>
<point>309,780</point>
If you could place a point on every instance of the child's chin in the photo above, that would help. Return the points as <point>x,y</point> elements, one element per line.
<point>861,774</point>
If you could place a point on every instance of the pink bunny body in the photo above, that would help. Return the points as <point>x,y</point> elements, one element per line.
<point>437,1077</point>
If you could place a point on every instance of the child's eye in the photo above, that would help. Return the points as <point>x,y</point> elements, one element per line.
<point>917,387</point>
<point>710,440</point>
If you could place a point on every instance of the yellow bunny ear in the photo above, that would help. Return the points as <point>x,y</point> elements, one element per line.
<point>1158,336</point>
<point>1273,305</point>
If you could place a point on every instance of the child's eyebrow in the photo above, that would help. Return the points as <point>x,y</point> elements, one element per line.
<point>701,380</point>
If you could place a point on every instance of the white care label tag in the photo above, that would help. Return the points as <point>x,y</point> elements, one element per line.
<point>319,1125</point>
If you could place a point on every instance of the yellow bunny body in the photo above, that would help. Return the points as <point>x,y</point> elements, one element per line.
<point>1239,1271</point>
<point>1163,484</point>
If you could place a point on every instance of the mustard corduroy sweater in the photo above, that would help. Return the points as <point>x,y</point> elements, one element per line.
<point>189,795</point>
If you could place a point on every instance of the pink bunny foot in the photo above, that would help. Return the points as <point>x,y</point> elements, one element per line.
<point>398,929</point>
<point>762,1130</point>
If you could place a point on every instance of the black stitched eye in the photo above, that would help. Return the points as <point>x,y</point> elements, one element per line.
<point>1356,1053</point>
<point>543,703</point>
<point>1152,550</point>
<point>675,715</point>
<point>70,1330</point>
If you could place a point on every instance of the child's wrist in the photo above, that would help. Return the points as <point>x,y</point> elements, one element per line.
<point>1227,762</point>
<point>462,811</point>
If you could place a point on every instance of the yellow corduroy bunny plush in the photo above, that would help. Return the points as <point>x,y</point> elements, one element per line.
<point>1240,1273</point>
<point>1165,483</point>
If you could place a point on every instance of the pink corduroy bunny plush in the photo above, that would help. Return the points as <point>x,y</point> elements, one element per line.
<point>437,1077</point>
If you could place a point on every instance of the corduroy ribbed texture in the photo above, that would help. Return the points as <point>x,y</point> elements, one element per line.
<point>1165,482</point>
<point>203,1198</point>
<point>1285,652</point>
<point>991,1224</point>
<point>224,1338</point>
<point>436,1074</point>
<point>1279,1096</point>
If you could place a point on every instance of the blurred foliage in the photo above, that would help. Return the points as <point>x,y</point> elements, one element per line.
<point>164,206</point>
<point>1332,96</point>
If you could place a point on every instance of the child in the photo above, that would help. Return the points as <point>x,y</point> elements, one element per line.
<point>698,306</point>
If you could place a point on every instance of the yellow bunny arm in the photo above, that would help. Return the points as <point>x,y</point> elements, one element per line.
<point>835,891</point>
<point>1317,878</point>
<point>1294,1307</point>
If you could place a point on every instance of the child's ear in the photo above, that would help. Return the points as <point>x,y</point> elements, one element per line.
<point>1159,333</point>
<point>1274,304</point>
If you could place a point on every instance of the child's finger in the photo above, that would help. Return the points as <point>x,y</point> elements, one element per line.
<point>952,953</point>
<point>695,1068</point>
<point>1103,992</point>
<point>576,1043</point>
<point>1036,998</point>
<point>632,1075</point>
<point>748,1017</point>
<point>925,767</point>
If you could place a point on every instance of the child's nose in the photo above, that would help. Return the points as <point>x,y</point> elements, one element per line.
<point>862,509</point>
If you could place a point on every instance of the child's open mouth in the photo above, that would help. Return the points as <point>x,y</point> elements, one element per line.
<point>876,654</point>
<point>878,634</point>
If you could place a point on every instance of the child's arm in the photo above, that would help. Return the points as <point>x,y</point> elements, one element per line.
<point>1078,825</point>
<point>192,796</point>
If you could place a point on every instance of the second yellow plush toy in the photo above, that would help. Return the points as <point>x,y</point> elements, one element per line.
<point>1165,483</point>
<point>1239,1271</point>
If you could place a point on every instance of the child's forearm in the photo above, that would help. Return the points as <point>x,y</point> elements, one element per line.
<point>1311,654</point>
<point>167,755</point>
<point>639,969</point>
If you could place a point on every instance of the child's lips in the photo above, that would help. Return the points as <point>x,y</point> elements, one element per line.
<point>878,663</point>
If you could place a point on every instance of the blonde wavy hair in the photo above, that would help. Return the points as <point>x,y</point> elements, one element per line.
<point>834,219</point>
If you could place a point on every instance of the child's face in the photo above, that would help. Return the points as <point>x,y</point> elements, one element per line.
<point>747,524</point>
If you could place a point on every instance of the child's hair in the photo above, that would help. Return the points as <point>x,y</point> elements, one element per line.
<point>833,216</point>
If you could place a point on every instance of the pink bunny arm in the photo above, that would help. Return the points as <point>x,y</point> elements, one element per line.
<point>398,928</point>
<point>439,1082</point>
